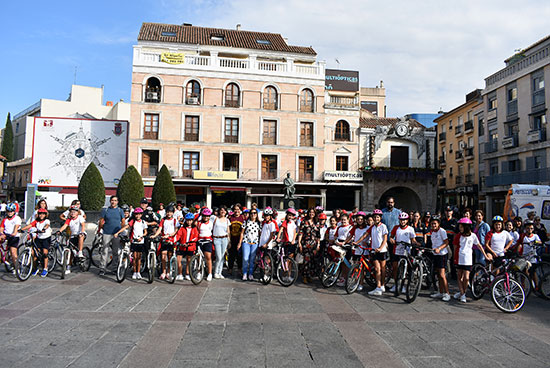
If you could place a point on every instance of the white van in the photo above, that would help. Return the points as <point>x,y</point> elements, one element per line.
<point>524,198</point>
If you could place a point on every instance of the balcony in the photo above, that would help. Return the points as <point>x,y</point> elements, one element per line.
<point>469,178</point>
<point>441,160</point>
<point>534,176</point>
<point>510,142</point>
<point>459,180</point>
<point>534,136</point>
<point>459,155</point>
<point>538,98</point>
<point>491,146</point>
<point>469,153</point>
<point>512,108</point>
<point>442,136</point>
<point>459,130</point>
<point>468,126</point>
<point>342,102</point>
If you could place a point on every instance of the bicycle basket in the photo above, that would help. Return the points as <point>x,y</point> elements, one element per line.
<point>519,264</point>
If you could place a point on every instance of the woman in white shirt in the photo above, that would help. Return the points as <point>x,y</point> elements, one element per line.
<point>220,234</point>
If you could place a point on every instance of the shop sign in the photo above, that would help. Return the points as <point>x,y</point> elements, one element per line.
<point>172,57</point>
<point>214,175</point>
<point>343,176</point>
<point>341,80</point>
<point>189,190</point>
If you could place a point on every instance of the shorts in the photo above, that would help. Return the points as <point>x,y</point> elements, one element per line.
<point>397,257</point>
<point>165,246</point>
<point>289,248</point>
<point>184,253</point>
<point>464,267</point>
<point>74,240</point>
<point>43,243</point>
<point>13,241</point>
<point>440,261</point>
<point>380,256</point>
<point>206,245</point>
<point>497,261</point>
<point>137,247</point>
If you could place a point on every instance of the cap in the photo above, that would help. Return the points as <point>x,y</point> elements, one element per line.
<point>448,208</point>
<point>144,200</point>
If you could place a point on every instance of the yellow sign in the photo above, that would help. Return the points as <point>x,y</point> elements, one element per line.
<point>172,57</point>
<point>215,175</point>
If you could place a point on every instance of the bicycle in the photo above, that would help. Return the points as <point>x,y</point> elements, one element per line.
<point>123,258</point>
<point>481,277</point>
<point>507,293</point>
<point>6,257</point>
<point>172,266</point>
<point>197,264</point>
<point>150,261</point>
<point>332,271</point>
<point>97,251</point>
<point>286,267</point>
<point>403,267</point>
<point>263,264</point>
<point>417,273</point>
<point>57,248</point>
<point>362,269</point>
<point>70,252</point>
<point>535,271</point>
<point>26,261</point>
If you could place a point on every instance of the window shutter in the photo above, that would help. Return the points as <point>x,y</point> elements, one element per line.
<point>530,163</point>
<point>504,166</point>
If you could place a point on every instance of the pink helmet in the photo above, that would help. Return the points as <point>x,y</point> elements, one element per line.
<point>207,212</point>
<point>138,210</point>
<point>361,213</point>
<point>465,220</point>
<point>292,211</point>
<point>377,212</point>
<point>403,216</point>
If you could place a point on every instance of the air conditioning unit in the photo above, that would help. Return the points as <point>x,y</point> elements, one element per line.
<point>192,100</point>
<point>151,95</point>
<point>172,173</point>
<point>462,145</point>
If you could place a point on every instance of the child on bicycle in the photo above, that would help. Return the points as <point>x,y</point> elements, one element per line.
<point>440,247</point>
<point>288,232</point>
<point>186,237</point>
<point>378,234</point>
<point>168,227</point>
<point>330,235</point>
<point>498,241</point>
<point>43,237</point>
<point>9,231</point>
<point>205,228</point>
<point>400,234</point>
<point>76,224</point>
<point>357,232</point>
<point>526,242</point>
<point>138,232</point>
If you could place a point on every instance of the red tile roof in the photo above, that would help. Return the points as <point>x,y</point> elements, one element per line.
<point>374,122</point>
<point>232,38</point>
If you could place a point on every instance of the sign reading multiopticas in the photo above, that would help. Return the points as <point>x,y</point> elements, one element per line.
<point>63,148</point>
<point>341,80</point>
<point>172,57</point>
<point>343,176</point>
<point>214,175</point>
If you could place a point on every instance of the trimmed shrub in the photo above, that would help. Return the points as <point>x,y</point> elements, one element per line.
<point>163,190</point>
<point>130,188</point>
<point>91,189</point>
<point>7,142</point>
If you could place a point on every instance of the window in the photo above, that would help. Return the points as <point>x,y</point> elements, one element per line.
<point>151,126</point>
<point>451,124</point>
<point>512,130</point>
<point>342,132</point>
<point>263,42</point>
<point>231,130</point>
<point>269,167</point>
<point>512,94</point>
<point>149,163</point>
<point>460,120</point>
<point>342,163</point>
<point>493,167</point>
<point>470,142</point>
<point>168,34</point>
<point>152,90</point>
<point>493,103</point>
<point>232,95</point>
<point>193,93</point>
<point>493,135</point>
<point>217,37</point>
<point>231,162</point>
<point>538,122</point>
<point>538,88</point>
<point>270,98</point>
<point>514,164</point>
<point>399,156</point>
<point>17,128</point>
<point>269,135</point>
<point>512,99</point>
<point>306,134</point>
<point>450,148</point>
<point>481,126</point>
<point>450,172</point>
<point>306,101</point>
<point>443,153</point>
<point>190,163</point>
<point>537,161</point>
<point>191,128</point>
<point>305,168</point>
<point>469,116</point>
<point>460,170</point>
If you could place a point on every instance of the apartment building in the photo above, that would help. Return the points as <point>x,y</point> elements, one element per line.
<point>458,150</point>
<point>514,138</point>
<point>232,112</point>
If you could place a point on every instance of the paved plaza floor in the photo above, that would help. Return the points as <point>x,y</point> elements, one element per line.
<point>91,321</point>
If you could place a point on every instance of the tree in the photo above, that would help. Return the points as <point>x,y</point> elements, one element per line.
<point>7,141</point>
<point>163,190</point>
<point>91,189</point>
<point>130,188</point>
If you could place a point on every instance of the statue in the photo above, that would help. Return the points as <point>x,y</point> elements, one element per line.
<point>289,187</point>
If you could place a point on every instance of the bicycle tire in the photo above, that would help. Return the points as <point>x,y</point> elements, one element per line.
<point>267,270</point>
<point>196,269</point>
<point>544,287</point>
<point>122,268</point>
<point>508,301</point>
<point>52,259</point>
<point>400,278</point>
<point>292,272</point>
<point>151,265</point>
<point>524,280</point>
<point>66,255</point>
<point>24,264</point>
<point>59,253</point>
<point>388,273</point>
<point>353,279</point>
<point>480,281</point>
<point>414,283</point>
<point>86,261</point>
<point>331,274</point>
<point>370,277</point>
<point>173,270</point>
<point>96,256</point>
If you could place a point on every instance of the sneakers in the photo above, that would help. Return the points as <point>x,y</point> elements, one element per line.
<point>209,277</point>
<point>68,270</point>
<point>463,298</point>
<point>35,272</point>
<point>245,277</point>
<point>220,276</point>
<point>187,277</point>
<point>403,290</point>
<point>101,272</point>
<point>457,295</point>
<point>80,255</point>
<point>341,282</point>
<point>139,276</point>
<point>179,278</point>
<point>163,276</point>
<point>217,276</point>
<point>392,290</point>
<point>44,273</point>
<point>437,295</point>
<point>446,297</point>
<point>360,288</point>
<point>250,277</point>
<point>376,292</point>
<point>134,276</point>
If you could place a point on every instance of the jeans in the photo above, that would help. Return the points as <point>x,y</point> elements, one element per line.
<point>220,245</point>
<point>479,258</point>
<point>234,254</point>
<point>109,241</point>
<point>249,255</point>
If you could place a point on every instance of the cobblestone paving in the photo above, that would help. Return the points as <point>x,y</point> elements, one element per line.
<point>91,321</point>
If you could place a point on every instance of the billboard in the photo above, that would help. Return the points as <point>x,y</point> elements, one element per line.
<point>64,147</point>
<point>341,80</point>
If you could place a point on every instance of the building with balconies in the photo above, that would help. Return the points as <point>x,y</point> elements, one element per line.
<point>514,141</point>
<point>457,146</point>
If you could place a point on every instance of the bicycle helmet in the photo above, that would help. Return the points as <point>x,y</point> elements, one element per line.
<point>74,208</point>
<point>465,221</point>
<point>268,211</point>
<point>246,210</point>
<point>361,213</point>
<point>189,216</point>
<point>403,216</point>
<point>322,216</point>
<point>138,210</point>
<point>498,218</point>
<point>377,212</point>
<point>42,210</point>
<point>170,209</point>
<point>10,207</point>
<point>207,212</point>
<point>291,211</point>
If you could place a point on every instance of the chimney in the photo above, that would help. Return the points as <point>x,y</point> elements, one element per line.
<point>381,84</point>
<point>238,27</point>
<point>187,24</point>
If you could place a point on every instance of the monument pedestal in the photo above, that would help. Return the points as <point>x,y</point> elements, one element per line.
<point>292,203</point>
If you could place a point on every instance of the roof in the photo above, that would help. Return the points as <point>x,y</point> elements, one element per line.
<point>528,48</point>
<point>20,162</point>
<point>365,122</point>
<point>224,37</point>
<point>467,103</point>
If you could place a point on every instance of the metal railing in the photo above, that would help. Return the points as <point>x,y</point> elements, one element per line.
<point>442,136</point>
<point>469,178</point>
<point>491,146</point>
<point>459,179</point>
<point>459,155</point>
<point>518,66</point>
<point>519,177</point>
<point>469,125</point>
<point>459,130</point>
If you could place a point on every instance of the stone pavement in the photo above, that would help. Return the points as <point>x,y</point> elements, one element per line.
<point>88,321</point>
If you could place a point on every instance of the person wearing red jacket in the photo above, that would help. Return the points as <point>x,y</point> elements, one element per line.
<point>186,237</point>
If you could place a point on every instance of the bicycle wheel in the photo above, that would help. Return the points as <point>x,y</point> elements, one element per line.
<point>414,283</point>
<point>151,266</point>
<point>290,275</point>
<point>122,267</point>
<point>400,279</point>
<point>267,271</point>
<point>544,287</point>
<point>59,254</point>
<point>524,280</point>
<point>52,259</point>
<point>86,260</point>
<point>353,279</point>
<point>65,262</point>
<point>507,294</point>
<point>24,264</point>
<point>96,256</point>
<point>331,274</point>
<point>196,269</point>
<point>388,273</point>
<point>479,281</point>
<point>173,271</point>
<point>370,277</point>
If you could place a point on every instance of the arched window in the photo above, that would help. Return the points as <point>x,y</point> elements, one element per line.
<point>306,100</point>
<point>193,93</point>
<point>232,95</point>
<point>342,131</point>
<point>270,98</point>
<point>152,90</point>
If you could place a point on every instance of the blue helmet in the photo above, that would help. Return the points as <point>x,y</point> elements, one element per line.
<point>189,216</point>
<point>10,207</point>
<point>498,218</point>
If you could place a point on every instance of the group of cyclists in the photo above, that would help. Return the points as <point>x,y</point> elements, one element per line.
<point>310,237</point>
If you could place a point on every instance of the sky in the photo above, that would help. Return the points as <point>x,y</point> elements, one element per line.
<point>429,54</point>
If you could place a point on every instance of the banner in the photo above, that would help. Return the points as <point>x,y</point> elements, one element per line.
<point>343,175</point>
<point>341,80</point>
<point>172,57</point>
<point>215,175</point>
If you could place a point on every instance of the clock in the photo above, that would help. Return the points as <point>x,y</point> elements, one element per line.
<point>401,129</point>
